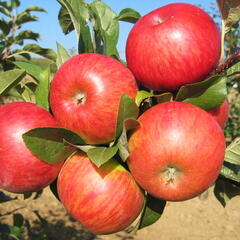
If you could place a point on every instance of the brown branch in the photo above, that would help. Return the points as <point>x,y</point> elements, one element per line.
<point>228,63</point>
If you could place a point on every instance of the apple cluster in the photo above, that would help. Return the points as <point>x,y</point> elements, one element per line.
<point>175,153</point>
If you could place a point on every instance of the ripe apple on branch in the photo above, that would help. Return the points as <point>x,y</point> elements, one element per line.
<point>106,199</point>
<point>85,94</point>
<point>186,44</point>
<point>21,171</point>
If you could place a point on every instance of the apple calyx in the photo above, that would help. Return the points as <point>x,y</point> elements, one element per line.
<point>169,174</point>
<point>80,98</point>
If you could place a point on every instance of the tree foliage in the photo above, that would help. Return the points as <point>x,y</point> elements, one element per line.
<point>12,37</point>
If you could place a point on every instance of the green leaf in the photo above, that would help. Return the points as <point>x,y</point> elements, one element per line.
<point>207,94</point>
<point>65,20</point>
<point>5,11</point>
<point>73,8</point>
<point>152,211</point>
<point>142,95</point>
<point>231,171</point>
<point>231,166</point>
<point>16,91</point>
<point>6,5</point>
<point>85,44</point>
<point>83,148</point>
<point>31,68</point>
<point>81,10</point>
<point>128,15</point>
<point>48,143</point>
<point>101,155</point>
<point>26,94</point>
<point>25,17</point>
<point>35,9</point>
<point>122,142</point>
<point>27,34</point>
<point>5,198</point>
<point>233,69</point>
<point>18,220</point>
<point>23,91</point>
<point>4,26</point>
<point>230,11</point>
<point>232,154</point>
<point>43,88</point>
<point>164,97</point>
<point>225,191</point>
<point>10,79</point>
<point>62,55</point>
<point>74,14</point>
<point>43,52</point>
<point>108,26</point>
<point>15,3</point>
<point>23,54</point>
<point>127,110</point>
<point>15,231</point>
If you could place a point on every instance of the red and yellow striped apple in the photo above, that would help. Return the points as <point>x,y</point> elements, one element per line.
<point>20,170</point>
<point>104,200</point>
<point>173,45</point>
<point>177,152</point>
<point>85,95</point>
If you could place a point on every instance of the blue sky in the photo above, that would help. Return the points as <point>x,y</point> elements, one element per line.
<point>51,32</point>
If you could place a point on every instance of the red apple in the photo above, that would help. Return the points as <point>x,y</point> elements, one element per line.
<point>173,45</point>
<point>104,200</point>
<point>85,95</point>
<point>177,152</point>
<point>20,170</point>
<point>220,113</point>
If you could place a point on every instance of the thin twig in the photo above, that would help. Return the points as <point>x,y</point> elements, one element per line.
<point>11,212</point>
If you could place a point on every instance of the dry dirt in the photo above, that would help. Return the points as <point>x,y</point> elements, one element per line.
<point>190,220</point>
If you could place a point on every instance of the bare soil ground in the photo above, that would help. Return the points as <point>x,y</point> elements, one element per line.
<point>190,220</point>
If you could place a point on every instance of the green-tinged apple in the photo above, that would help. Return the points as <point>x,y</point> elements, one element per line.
<point>177,152</point>
<point>104,200</point>
<point>20,170</point>
<point>172,46</point>
<point>221,113</point>
<point>85,95</point>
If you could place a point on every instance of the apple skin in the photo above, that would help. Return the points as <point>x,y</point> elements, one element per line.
<point>173,45</point>
<point>177,152</point>
<point>221,113</point>
<point>20,170</point>
<point>104,200</point>
<point>85,95</point>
